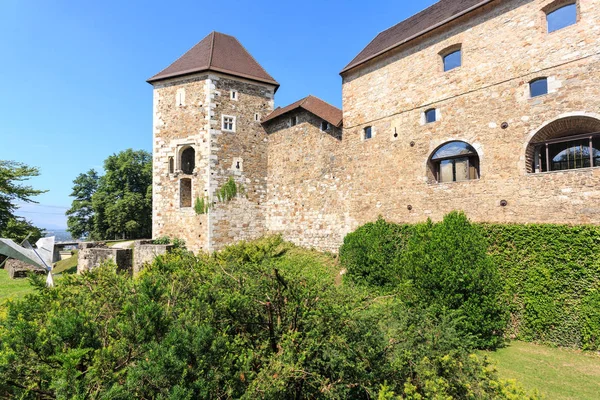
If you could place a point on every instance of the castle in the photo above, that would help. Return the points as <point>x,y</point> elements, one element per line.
<point>487,106</point>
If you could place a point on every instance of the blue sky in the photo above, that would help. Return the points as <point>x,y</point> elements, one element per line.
<point>74,72</point>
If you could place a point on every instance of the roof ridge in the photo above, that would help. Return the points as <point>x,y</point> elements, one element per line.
<point>181,56</point>
<point>212,49</point>
<point>371,51</point>
<point>251,56</point>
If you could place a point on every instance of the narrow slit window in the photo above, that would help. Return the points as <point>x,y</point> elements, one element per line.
<point>538,87</point>
<point>234,95</point>
<point>185,193</point>
<point>562,17</point>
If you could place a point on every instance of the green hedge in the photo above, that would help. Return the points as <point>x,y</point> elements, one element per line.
<point>551,274</point>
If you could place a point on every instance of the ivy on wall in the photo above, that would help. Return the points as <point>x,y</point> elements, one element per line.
<point>550,273</point>
<point>227,192</point>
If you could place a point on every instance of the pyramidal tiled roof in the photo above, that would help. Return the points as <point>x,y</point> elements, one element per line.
<point>314,105</point>
<point>427,20</point>
<point>220,53</point>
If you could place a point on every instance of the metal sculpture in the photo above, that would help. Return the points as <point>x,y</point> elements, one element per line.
<point>40,256</point>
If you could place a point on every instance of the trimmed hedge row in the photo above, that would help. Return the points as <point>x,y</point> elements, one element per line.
<point>551,274</point>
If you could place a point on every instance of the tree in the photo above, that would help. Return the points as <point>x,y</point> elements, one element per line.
<point>80,219</point>
<point>11,173</point>
<point>11,191</point>
<point>122,203</point>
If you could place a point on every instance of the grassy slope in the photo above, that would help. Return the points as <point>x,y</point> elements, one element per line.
<point>557,373</point>
<point>68,265</point>
<point>11,289</point>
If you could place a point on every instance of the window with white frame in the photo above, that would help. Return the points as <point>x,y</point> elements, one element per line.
<point>367,132</point>
<point>228,123</point>
<point>256,117</point>
<point>233,95</point>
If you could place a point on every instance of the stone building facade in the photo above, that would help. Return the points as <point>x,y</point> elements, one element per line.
<point>467,129</point>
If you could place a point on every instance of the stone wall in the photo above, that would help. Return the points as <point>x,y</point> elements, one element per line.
<point>145,251</point>
<point>20,269</point>
<point>182,109</point>
<point>93,254</point>
<point>306,184</point>
<point>314,187</point>
<point>504,47</point>
<point>242,155</point>
<point>188,112</point>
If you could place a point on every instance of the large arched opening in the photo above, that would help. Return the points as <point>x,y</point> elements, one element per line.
<point>564,144</point>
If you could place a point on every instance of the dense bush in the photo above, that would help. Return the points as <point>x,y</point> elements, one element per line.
<point>442,266</point>
<point>550,274</point>
<point>447,268</point>
<point>370,253</point>
<point>258,320</point>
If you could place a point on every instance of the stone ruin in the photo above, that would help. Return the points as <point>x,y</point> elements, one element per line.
<point>20,269</point>
<point>145,251</point>
<point>93,254</point>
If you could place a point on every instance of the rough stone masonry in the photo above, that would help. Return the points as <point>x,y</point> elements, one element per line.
<point>314,181</point>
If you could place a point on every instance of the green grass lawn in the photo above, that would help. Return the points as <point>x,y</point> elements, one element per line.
<point>68,265</point>
<point>557,373</point>
<point>11,289</point>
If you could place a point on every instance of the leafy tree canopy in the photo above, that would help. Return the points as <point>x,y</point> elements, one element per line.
<point>80,220</point>
<point>12,190</point>
<point>117,205</point>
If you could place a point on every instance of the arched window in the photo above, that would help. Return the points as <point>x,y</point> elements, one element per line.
<point>561,17</point>
<point>455,162</point>
<point>188,160</point>
<point>565,144</point>
<point>185,193</point>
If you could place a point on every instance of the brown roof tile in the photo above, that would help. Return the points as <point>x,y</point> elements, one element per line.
<point>314,105</point>
<point>220,53</point>
<point>438,14</point>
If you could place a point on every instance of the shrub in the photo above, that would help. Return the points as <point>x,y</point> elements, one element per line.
<point>547,270</point>
<point>448,269</point>
<point>258,320</point>
<point>370,253</point>
<point>590,320</point>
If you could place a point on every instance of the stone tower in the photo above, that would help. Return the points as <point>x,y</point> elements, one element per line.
<point>207,108</point>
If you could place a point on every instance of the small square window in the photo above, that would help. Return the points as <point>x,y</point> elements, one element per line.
<point>294,121</point>
<point>234,95</point>
<point>324,125</point>
<point>453,60</point>
<point>368,132</point>
<point>538,87</point>
<point>430,116</point>
<point>228,123</point>
<point>562,17</point>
